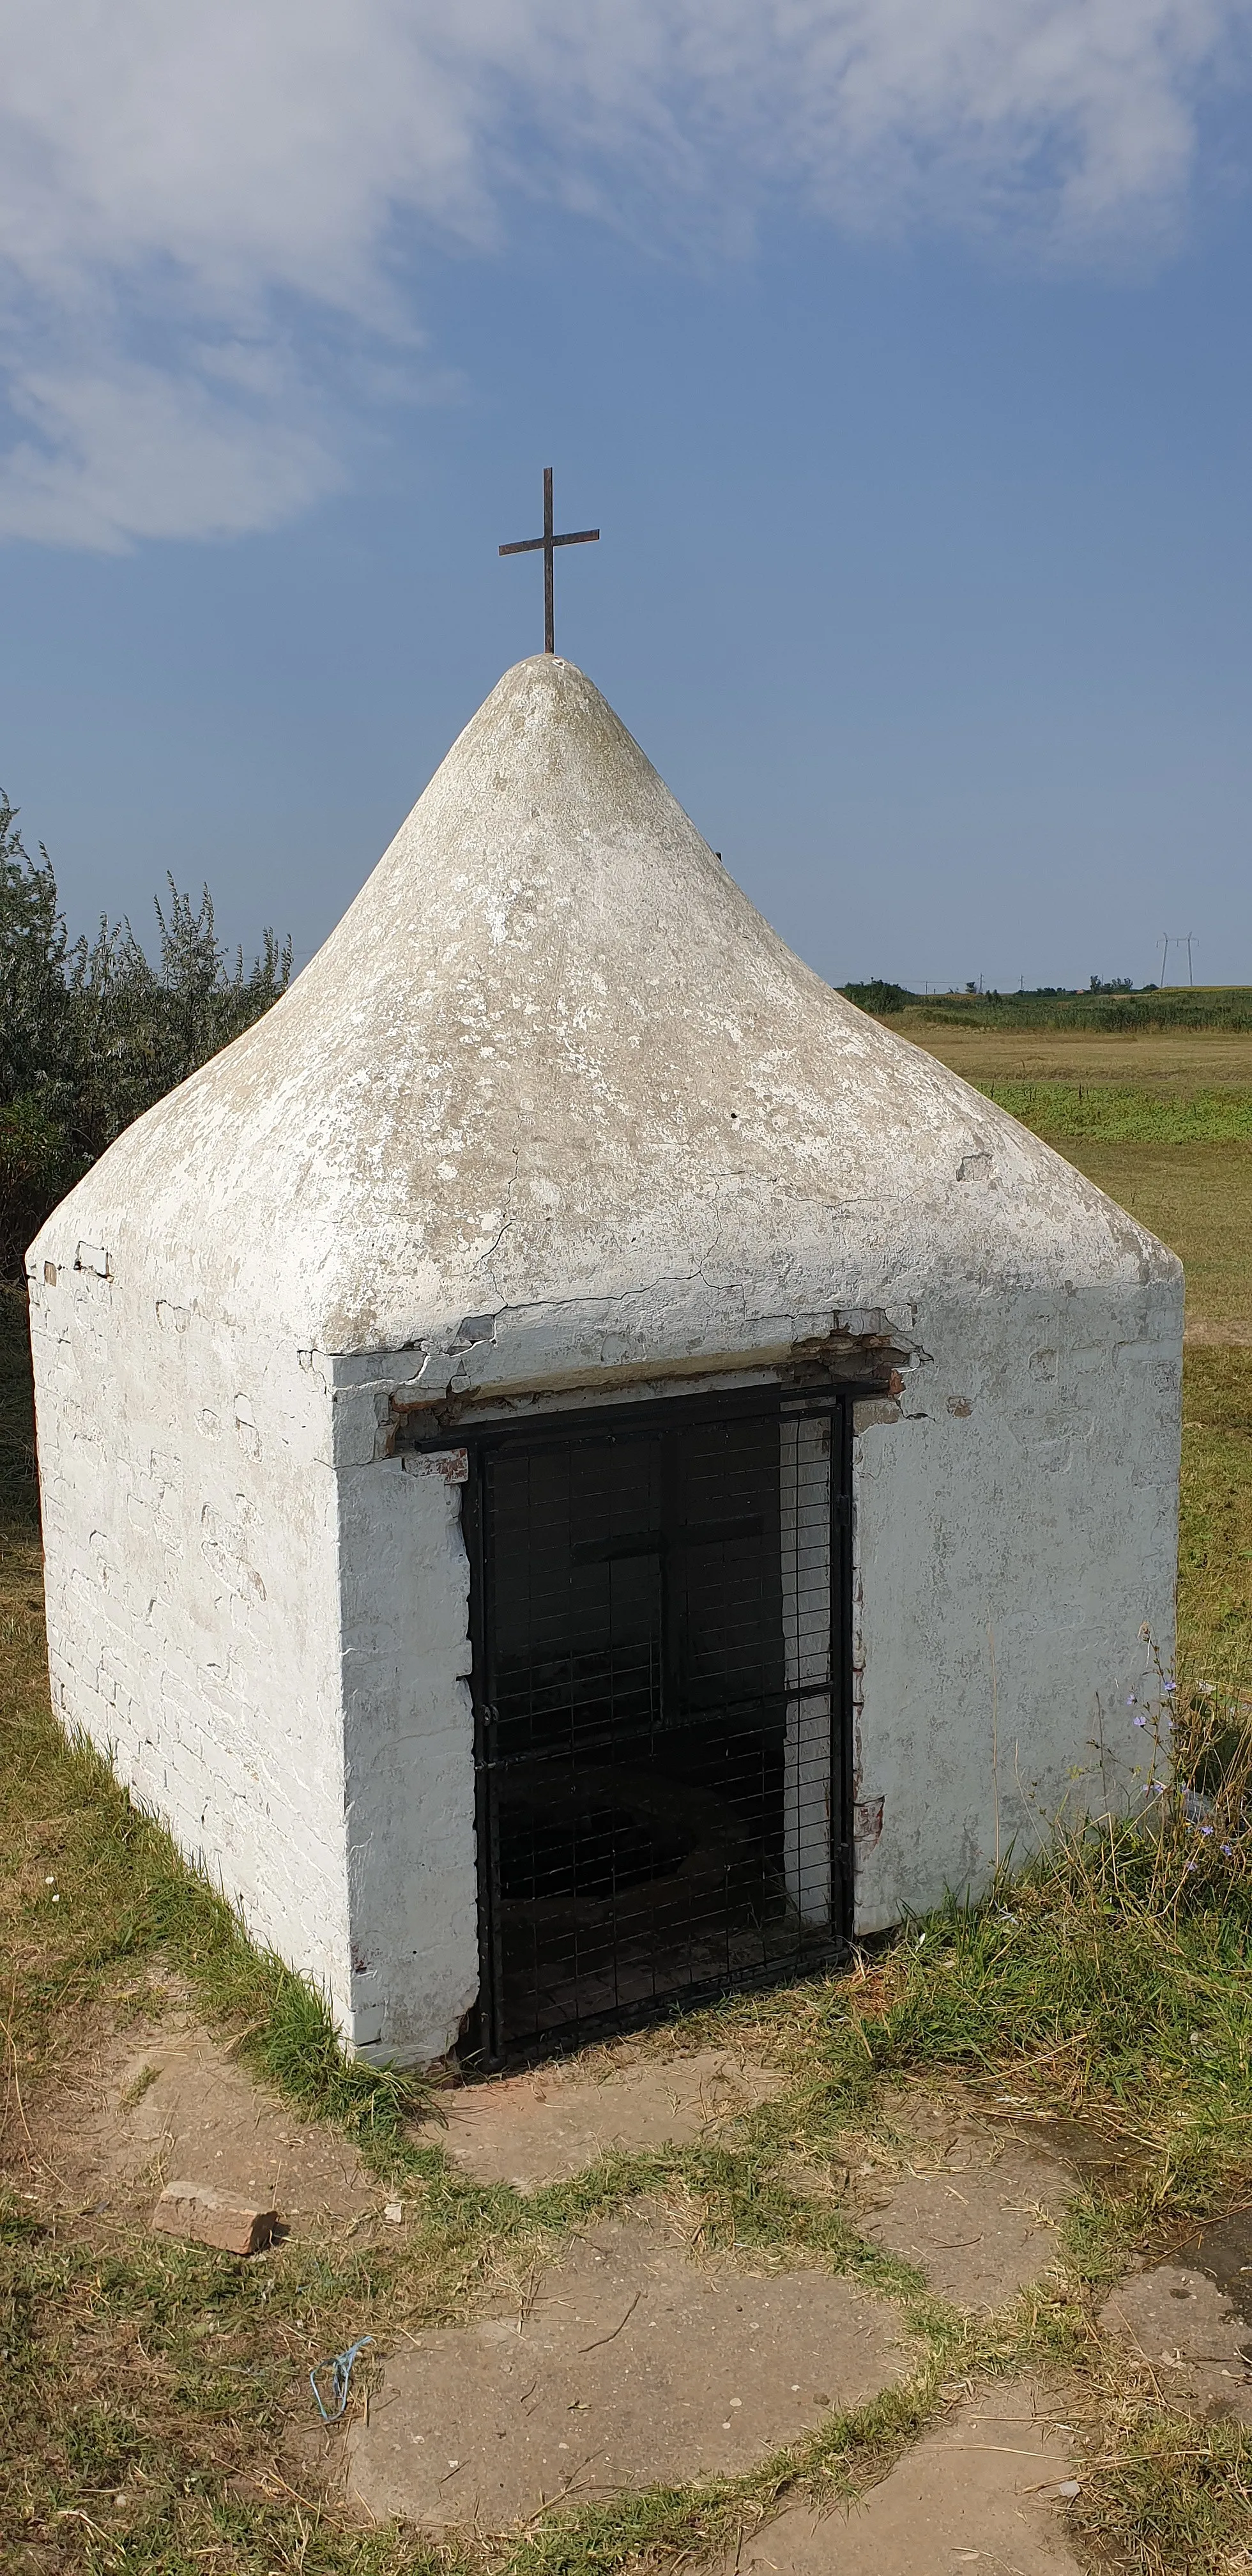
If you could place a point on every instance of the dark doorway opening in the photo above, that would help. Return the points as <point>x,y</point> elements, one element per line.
<point>660,1631</point>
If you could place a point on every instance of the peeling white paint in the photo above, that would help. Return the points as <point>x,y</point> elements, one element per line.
<point>555,1118</point>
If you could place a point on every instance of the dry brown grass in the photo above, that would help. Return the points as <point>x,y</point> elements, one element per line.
<point>1176,1063</point>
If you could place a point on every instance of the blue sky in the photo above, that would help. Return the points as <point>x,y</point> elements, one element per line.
<point>900,353</point>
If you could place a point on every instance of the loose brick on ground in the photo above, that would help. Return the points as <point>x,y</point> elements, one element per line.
<point>207,2217</point>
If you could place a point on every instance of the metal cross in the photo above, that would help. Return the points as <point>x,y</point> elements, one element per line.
<point>531,546</point>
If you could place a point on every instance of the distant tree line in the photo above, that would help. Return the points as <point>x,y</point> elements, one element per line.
<point>92,1032</point>
<point>1110,1007</point>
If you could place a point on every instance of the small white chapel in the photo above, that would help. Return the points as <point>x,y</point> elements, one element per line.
<point>578,1469</point>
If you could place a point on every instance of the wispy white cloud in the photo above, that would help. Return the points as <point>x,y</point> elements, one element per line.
<point>123,450</point>
<point>180,187</point>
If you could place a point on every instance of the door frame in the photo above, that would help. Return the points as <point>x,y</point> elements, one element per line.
<point>485,2042</point>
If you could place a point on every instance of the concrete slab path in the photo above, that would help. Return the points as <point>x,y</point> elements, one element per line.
<point>555,2120</point>
<point>631,2364</point>
<point>1187,2335</point>
<point>976,2210</point>
<point>981,2492</point>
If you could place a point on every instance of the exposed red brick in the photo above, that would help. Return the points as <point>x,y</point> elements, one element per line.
<point>208,2217</point>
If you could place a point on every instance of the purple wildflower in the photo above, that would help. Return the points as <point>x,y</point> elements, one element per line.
<point>1141,1721</point>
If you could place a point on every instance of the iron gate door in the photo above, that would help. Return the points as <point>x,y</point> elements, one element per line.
<point>660,1694</point>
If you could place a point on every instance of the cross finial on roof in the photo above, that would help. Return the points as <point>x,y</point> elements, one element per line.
<point>531,545</point>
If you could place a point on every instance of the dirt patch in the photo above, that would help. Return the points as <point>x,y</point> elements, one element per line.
<point>626,2364</point>
<point>981,2492</point>
<point>975,2210</point>
<point>164,2100</point>
<point>555,2120</point>
<point>1187,2335</point>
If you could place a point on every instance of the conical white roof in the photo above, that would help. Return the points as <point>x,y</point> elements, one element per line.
<point>553,1063</point>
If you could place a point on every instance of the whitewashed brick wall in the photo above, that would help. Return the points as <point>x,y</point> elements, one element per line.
<point>190,1522</point>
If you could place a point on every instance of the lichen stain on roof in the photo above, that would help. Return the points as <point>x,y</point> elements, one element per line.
<point>553,1053</point>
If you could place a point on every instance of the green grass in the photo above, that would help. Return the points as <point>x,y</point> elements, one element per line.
<point>1172,2500</point>
<point>153,2369</point>
<point>1215,1567</point>
<point>1124,1113</point>
<point>1074,1986</point>
<point>127,1901</point>
<point>181,2439</point>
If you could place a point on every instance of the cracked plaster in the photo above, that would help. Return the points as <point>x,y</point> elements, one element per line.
<point>555,1117</point>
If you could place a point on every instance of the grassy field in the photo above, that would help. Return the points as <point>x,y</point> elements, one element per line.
<point>1201,1009</point>
<point>1113,1985</point>
<point>1173,1063</point>
<point>1163,1122</point>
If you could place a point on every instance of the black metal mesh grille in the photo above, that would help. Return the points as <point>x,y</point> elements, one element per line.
<point>657,1638</point>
